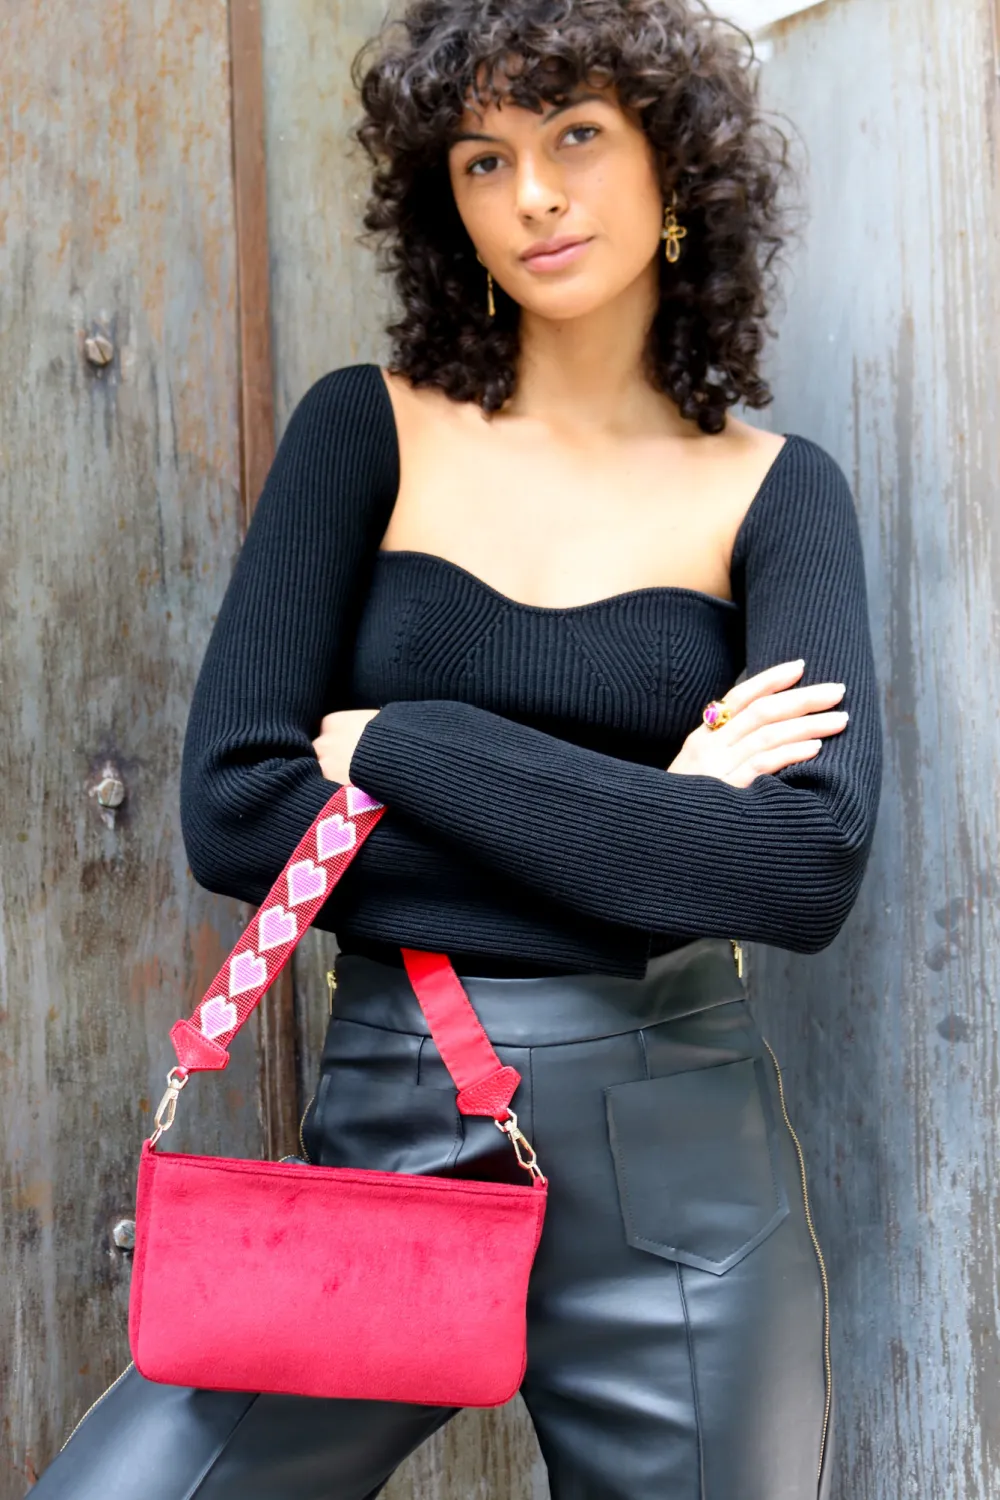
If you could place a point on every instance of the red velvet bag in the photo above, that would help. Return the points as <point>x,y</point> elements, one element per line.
<point>327,1281</point>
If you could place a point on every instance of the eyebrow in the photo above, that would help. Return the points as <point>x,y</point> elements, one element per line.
<point>476,135</point>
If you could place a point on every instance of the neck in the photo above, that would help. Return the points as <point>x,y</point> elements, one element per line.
<point>584,376</point>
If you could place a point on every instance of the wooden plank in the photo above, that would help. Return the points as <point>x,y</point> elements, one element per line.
<point>119,524</point>
<point>276,1015</point>
<point>889,355</point>
<point>252,257</point>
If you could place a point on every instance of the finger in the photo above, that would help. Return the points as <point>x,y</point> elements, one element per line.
<point>789,732</point>
<point>771,761</point>
<point>782,707</point>
<point>829,691</point>
<point>772,680</point>
<point>780,725</point>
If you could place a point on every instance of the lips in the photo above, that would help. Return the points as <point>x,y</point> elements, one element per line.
<point>550,247</point>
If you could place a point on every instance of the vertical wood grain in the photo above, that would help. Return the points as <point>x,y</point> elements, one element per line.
<point>120,519</point>
<point>276,1014</point>
<point>889,355</point>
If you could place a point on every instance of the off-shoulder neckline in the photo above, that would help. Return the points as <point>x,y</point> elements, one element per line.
<point>661,589</point>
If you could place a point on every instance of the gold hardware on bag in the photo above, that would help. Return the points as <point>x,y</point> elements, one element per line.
<point>738,957</point>
<point>523,1149</point>
<point>331,981</point>
<point>167,1108</point>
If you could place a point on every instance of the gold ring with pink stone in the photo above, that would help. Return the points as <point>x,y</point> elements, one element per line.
<point>716,714</point>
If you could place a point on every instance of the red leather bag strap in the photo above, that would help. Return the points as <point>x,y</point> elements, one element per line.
<point>485,1086</point>
<point>266,944</point>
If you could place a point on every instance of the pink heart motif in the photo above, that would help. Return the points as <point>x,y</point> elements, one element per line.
<point>218,1016</point>
<point>246,972</point>
<point>359,801</point>
<point>306,881</point>
<point>277,927</point>
<point>335,836</point>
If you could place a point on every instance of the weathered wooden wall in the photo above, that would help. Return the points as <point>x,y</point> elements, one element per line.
<point>890,356</point>
<point>119,522</point>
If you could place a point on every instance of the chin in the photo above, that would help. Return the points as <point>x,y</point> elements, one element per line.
<point>562,303</point>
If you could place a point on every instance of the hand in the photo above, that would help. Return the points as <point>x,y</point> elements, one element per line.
<point>337,739</point>
<point>773,725</point>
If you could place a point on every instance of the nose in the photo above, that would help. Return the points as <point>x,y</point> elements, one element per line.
<point>540,192</point>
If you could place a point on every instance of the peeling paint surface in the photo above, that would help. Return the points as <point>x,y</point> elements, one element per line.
<point>119,523</point>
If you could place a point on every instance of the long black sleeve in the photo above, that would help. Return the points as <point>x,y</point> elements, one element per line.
<point>779,861</point>
<point>276,661</point>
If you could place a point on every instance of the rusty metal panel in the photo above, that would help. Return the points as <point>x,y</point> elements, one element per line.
<point>119,522</point>
<point>889,355</point>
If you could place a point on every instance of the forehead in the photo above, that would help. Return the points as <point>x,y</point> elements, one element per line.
<point>495,104</point>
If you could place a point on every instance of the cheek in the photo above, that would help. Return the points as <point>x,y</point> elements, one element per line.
<point>626,202</point>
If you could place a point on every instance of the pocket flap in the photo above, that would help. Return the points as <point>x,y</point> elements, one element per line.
<point>695,1158</point>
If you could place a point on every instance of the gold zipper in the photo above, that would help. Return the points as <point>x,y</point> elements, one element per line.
<point>302,1122</point>
<point>738,958</point>
<point>97,1403</point>
<point>331,981</point>
<point>819,1257</point>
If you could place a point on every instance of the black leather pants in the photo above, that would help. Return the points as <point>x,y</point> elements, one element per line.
<point>677,1342</point>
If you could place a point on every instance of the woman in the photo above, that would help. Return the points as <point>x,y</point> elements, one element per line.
<point>496,585</point>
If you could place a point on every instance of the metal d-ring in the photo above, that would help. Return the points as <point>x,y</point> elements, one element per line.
<point>523,1149</point>
<point>167,1107</point>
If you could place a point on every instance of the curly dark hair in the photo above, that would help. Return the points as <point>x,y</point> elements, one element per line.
<point>690,80</point>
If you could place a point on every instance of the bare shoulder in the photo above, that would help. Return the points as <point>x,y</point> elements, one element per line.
<point>753,445</point>
<point>425,409</point>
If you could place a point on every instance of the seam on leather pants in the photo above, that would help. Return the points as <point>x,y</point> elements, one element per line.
<point>694,1382</point>
<point>531,1093</point>
<point>189,1494</point>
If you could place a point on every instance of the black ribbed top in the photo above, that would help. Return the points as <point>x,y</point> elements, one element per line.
<point>521,750</point>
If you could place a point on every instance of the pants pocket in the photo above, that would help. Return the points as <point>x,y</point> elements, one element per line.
<point>696,1163</point>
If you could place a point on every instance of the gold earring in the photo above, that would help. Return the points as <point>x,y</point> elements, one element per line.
<point>490,305</point>
<point>672,232</point>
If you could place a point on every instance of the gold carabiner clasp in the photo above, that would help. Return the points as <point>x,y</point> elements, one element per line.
<point>167,1108</point>
<point>523,1149</point>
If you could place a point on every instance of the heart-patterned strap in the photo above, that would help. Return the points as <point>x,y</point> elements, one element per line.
<point>317,862</point>
<point>315,865</point>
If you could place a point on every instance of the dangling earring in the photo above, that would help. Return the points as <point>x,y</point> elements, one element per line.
<point>672,232</point>
<point>490,306</point>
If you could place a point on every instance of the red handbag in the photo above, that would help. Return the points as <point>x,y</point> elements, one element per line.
<point>328,1281</point>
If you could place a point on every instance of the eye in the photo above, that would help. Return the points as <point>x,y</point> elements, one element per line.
<point>471,168</point>
<point>483,162</point>
<point>594,130</point>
